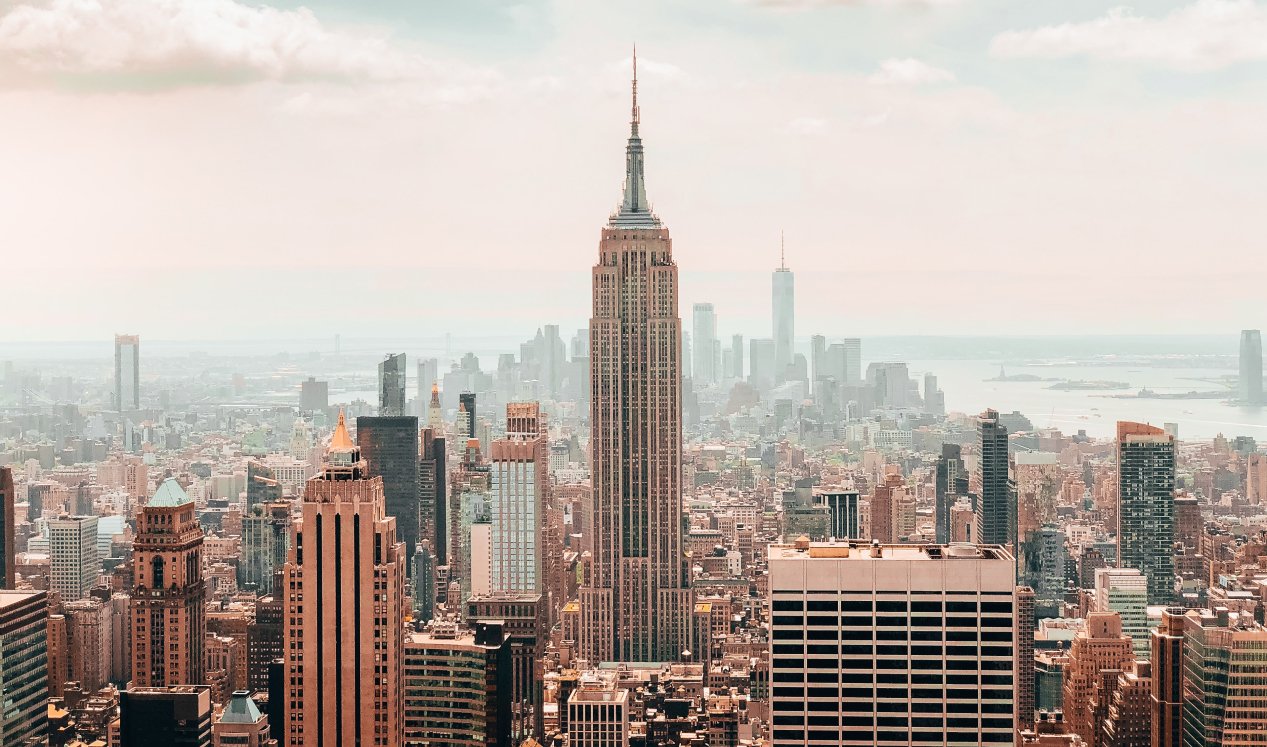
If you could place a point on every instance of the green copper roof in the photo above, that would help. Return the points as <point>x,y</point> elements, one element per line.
<point>240,709</point>
<point>170,495</point>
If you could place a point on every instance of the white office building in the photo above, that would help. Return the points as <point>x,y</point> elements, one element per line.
<point>891,644</point>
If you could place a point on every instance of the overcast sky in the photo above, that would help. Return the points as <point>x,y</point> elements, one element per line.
<point>214,169</point>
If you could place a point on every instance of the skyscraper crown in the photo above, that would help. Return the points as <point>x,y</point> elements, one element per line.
<point>634,211</point>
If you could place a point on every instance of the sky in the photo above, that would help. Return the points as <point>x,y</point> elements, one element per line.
<point>216,169</point>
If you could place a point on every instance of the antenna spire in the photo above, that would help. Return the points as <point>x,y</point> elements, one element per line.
<point>634,121</point>
<point>782,254</point>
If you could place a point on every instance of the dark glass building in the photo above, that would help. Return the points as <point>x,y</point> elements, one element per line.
<point>389,446</point>
<point>996,507</point>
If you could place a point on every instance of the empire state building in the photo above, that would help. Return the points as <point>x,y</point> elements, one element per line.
<point>638,604</point>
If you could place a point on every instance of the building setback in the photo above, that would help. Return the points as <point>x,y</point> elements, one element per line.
<point>345,589</point>
<point>637,605</point>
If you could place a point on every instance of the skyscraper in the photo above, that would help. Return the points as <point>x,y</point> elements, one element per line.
<point>391,385</point>
<point>1224,679</point>
<point>265,540</point>
<point>891,644</point>
<point>705,349</point>
<point>951,483</point>
<point>169,618</point>
<point>457,686</point>
<point>638,603</point>
<point>736,356</point>
<point>8,576</point>
<point>519,476</point>
<point>783,308</point>
<point>1167,686</point>
<point>345,578</point>
<point>428,373</point>
<point>433,492</point>
<point>73,560</point>
<point>1099,649</point>
<point>817,360</point>
<point>389,446</point>
<point>996,508</point>
<point>127,372</point>
<point>24,667</point>
<point>314,395</point>
<point>1146,510</point>
<point>1251,378</point>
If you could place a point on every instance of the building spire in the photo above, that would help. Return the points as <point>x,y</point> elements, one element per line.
<point>635,210</point>
<point>633,122</point>
<point>782,254</point>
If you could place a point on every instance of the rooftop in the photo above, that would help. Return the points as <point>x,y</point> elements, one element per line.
<point>855,550</point>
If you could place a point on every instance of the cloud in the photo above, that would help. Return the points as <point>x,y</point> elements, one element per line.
<point>1205,35</point>
<point>807,4</point>
<point>909,71</point>
<point>168,43</point>
<point>806,126</point>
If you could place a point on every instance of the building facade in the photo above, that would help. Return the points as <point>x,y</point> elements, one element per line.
<point>24,674</point>
<point>73,556</point>
<point>345,590</point>
<point>168,607</point>
<point>127,373</point>
<point>637,604</point>
<point>891,644</point>
<point>1146,506</point>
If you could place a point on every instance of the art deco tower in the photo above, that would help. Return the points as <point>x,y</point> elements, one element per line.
<point>638,607</point>
<point>345,586</point>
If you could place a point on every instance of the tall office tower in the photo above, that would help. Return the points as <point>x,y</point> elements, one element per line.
<point>466,419</point>
<point>736,356</point>
<point>265,642</point>
<point>435,413</point>
<point>433,496</point>
<point>843,516</point>
<point>1023,634</point>
<point>314,396</point>
<point>8,523</point>
<point>428,373</point>
<point>783,314</point>
<point>553,360</point>
<point>391,385</point>
<point>345,577</point>
<point>24,675</point>
<point>951,483</point>
<point>817,360</point>
<point>761,363</point>
<point>127,373</point>
<point>637,606</point>
<point>519,474</point>
<point>73,560</point>
<point>88,643</point>
<point>169,618</point>
<point>1125,591</point>
<point>1146,506</point>
<point>1251,378</point>
<point>457,686</point>
<point>1224,679</point>
<point>390,448</point>
<point>1100,647</point>
<point>853,360</point>
<point>265,540</point>
<point>165,716</point>
<point>934,397</point>
<point>703,344</point>
<point>1167,686</point>
<point>423,582</point>
<point>996,508</point>
<point>262,485</point>
<point>891,644</point>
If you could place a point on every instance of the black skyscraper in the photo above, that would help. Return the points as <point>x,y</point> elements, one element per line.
<point>996,509</point>
<point>389,446</point>
<point>7,529</point>
<point>433,492</point>
<point>467,402</point>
